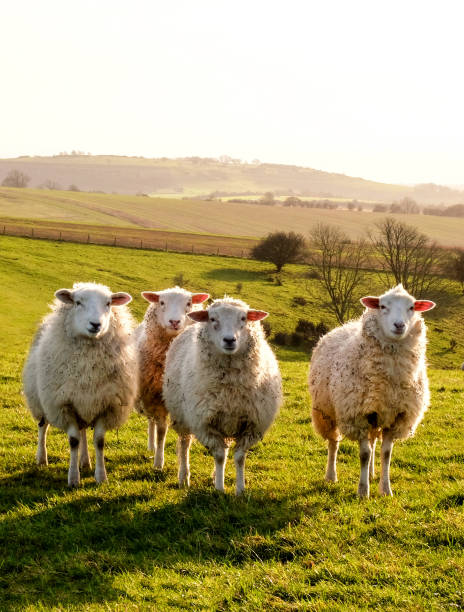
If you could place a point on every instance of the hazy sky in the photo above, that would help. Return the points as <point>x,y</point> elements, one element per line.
<point>367,88</point>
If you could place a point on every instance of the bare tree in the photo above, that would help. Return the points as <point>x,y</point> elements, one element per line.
<point>457,267</point>
<point>280,248</point>
<point>15,178</point>
<point>407,256</point>
<point>339,264</point>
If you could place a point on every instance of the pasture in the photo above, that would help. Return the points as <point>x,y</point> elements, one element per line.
<point>219,218</point>
<point>292,542</point>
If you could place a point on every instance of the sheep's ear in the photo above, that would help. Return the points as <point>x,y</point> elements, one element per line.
<point>370,302</point>
<point>200,316</point>
<point>120,298</point>
<point>198,298</point>
<point>150,296</point>
<point>256,315</point>
<point>65,296</point>
<point>423,305</point>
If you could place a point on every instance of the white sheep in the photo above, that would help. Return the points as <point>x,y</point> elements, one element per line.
<point>368,380</point>
<point>82,371</point>
<point>165,318</point>
<point>222,383</point>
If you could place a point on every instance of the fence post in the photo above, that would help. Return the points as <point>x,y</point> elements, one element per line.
<point>141,244</point>
<point>4,229</point>
<point>32,232</point>
<point>114,241</point>
<point>60,235</point>
<point>217,251</point>
<point>166,248</point>
<point>88,238</point>
<point>192,248</point>
<point>241,254</point>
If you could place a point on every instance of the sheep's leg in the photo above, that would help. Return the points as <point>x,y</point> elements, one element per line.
<point>331,471</point>
<point>151,434</point>
<point>386,452</point>
<point>84,461</point>
<point>161,431</point>
<point>73,473</point>
<point>364,458</point>
<point>41,455</point>
<point>183,452</point>
<point>220,458</point>
<point>373,442</point>
<point>239,459</point>
<point>99,443</point>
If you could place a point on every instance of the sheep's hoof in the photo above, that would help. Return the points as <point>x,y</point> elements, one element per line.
<point>85,464</point>
<point>239,492</point>
<point>386,491</point>
<point>41,460</point>
<point>363,490</point>
<point>100,476</point>
<point>73,481</point>
<point>158,464</point>
<point>331,477</point>
<point>184,481</point>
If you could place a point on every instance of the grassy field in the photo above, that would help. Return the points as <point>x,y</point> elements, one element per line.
<point>291,543</point>
<point>220,218</point>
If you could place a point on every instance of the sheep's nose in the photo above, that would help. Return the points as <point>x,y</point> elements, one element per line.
<point>399,325</point>
<point>174,323</point>
<point>229,340</point>
<point>95,326</point>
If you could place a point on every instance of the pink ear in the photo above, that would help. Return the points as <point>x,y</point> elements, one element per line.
<point>200,316</point>
<point>120,298</point>
<point>256,315</point>
<point>370,302</point>
<point>423,305</point>
<point>198,298</point>
<point>150,296</point>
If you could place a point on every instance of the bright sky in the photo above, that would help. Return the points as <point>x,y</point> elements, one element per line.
<point>367,88</point>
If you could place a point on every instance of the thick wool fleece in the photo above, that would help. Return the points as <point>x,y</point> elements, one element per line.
<point>362,382</point>
<point>68,377</point>
<point>220,398</point>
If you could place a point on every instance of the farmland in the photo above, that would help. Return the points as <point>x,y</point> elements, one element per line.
<point>293,542</point>
<point>200,217</point>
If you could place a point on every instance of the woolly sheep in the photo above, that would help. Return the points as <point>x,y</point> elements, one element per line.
<point>222,383</point>
<point>368,380</point>
<point>82,371</point>
<point>165,318</point>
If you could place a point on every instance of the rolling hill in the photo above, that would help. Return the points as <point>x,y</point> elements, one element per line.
<point>200,176</point>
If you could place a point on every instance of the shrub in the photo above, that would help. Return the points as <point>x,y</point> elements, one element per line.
<point>281,338</point>
<point>280,248</point>
<point>267,328</point>
<point>299,300</point>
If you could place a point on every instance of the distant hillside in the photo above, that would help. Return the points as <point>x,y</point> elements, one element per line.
<point>195,176</point>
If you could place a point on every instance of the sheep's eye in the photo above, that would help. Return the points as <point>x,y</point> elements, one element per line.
<point>212,319</point>
<point>78,303</point>
<point>108,303</point>
<point>383,307</point>
<point>411,308</point>
<point>189,304</point>
<point>162,303</point>
<point>243,318</point>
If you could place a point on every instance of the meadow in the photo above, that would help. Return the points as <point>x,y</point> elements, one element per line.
<point>201,217</point>
<point>292,542</point>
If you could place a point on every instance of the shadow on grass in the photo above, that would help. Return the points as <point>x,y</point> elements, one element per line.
<point>235,275</point>
<point>68,551</point>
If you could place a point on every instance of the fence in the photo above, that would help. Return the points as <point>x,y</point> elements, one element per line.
<point>204,245</point>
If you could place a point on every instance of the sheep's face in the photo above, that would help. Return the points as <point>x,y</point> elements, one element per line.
<point>227,325</point>
<point>397,312</point>
<point>172,306</point>
<point>91,309</point>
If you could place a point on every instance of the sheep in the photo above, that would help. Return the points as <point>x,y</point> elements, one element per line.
<point>368,380</point>
<point>222,383</point>
<point>81,372</point>
<point>165,318</point>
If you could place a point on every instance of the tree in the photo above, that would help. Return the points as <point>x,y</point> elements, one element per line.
<point>339,263</point>
<point>15,178</point>
<point>407,256</point>
<point>267,199</point>
<point>280,248</point>
<point>457,267</point>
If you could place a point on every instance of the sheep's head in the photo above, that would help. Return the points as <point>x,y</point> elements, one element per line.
<point>91,306</point>
<point>227,321</point>
<point>397,311</point>
<point>172,306</point>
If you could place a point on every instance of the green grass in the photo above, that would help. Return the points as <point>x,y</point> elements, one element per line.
<point>223,218</point>
<point>292,542</point>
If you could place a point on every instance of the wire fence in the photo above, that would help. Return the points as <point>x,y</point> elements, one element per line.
<point>204,245</point>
